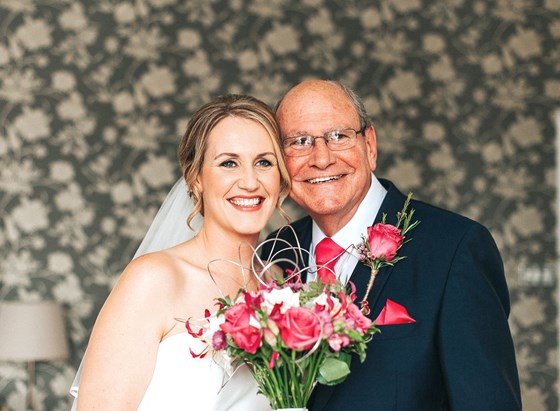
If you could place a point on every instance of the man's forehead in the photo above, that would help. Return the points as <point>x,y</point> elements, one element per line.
<point>310,96</point>
<point>306,116</point>
<point>314,93</point>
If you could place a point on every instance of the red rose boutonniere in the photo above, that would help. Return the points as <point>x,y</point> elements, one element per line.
<point>380,247</point>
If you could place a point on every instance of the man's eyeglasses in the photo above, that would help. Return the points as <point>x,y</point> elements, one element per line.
<point>336,140</point>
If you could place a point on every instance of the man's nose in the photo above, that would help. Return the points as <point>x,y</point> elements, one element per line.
<point>321,155</point>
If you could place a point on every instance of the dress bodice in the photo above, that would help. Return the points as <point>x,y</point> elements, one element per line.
<point>181,382</point>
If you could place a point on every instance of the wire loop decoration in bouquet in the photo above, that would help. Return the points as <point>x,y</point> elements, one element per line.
<point>290,334</point>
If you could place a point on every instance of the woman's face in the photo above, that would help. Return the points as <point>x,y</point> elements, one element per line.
<point>239,179</point>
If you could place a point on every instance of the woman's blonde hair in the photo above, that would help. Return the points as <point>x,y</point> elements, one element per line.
<point>195,140</point>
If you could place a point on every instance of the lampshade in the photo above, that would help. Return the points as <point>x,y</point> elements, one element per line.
<point>32,331</point>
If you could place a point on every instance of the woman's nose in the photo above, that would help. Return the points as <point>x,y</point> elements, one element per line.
<point>249,180</point>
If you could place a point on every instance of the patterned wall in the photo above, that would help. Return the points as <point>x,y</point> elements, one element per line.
<point>94,96</point>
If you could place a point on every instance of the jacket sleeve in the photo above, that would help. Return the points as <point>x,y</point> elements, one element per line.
<point>476,348</point>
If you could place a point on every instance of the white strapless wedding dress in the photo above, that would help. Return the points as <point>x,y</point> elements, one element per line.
<point>181,382</point>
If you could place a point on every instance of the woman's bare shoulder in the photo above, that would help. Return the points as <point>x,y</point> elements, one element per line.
<point>157,273</point>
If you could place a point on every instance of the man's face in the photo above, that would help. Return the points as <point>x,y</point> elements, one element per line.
<point>328,185</point>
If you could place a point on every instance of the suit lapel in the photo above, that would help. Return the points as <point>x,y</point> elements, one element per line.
<point>304,237</point>
<point>360,278</point>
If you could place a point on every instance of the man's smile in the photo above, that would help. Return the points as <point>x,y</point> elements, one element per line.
<point>324,179</point>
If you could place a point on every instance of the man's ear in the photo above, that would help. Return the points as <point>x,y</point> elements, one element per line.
<point>371,147</point>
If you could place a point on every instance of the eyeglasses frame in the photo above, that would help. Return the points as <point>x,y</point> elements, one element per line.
<point>324,137</point>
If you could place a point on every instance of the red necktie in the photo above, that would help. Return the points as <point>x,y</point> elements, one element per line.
<point>327,254</point>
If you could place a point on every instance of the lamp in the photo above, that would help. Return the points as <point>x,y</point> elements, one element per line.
<point>32,331</point>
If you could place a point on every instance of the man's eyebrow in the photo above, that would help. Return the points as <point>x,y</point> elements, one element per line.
<point>297,133</point>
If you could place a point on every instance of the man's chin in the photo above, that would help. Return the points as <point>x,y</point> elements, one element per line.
<point>319,201</point>
<point>318,209</point>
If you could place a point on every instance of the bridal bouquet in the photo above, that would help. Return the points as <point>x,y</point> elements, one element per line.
<point>291,335</point>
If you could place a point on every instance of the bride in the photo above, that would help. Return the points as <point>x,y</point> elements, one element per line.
<point>139,355</point>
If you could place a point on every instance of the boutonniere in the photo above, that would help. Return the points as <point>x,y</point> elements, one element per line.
<point>380,247</point>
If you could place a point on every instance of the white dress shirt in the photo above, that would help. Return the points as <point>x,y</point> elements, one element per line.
<point>350,234</point>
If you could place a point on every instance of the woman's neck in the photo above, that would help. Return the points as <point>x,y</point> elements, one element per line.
<point>225,245</point>
<point>226,254</point>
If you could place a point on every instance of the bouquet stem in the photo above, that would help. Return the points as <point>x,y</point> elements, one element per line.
<point>290,382</point>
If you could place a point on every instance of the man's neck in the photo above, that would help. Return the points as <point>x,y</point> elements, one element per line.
<point>330,224</point>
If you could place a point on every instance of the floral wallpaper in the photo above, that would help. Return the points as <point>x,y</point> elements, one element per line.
<point>94,97</point>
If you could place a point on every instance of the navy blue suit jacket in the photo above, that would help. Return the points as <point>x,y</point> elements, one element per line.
<point>459,353</point>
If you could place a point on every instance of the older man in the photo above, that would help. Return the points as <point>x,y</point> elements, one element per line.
<point>454,351</point>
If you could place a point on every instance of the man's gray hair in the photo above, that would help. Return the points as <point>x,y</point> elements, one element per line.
<point>352,96</point>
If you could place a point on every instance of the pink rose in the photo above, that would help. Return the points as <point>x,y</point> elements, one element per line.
<point>299,328</point>
<point>237,324</point>
<point>384,241</point>
<point>361,322</point>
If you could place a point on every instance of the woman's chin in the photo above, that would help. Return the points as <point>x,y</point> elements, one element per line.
<point>251,225</point>
<point>249,230</point>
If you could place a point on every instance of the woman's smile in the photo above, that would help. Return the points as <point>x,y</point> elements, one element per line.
<point>247,203</point>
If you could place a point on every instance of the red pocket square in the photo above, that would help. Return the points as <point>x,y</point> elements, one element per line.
<point>393,313</point>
